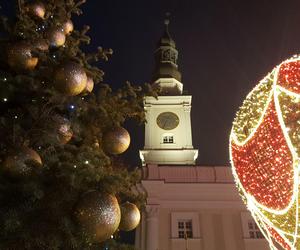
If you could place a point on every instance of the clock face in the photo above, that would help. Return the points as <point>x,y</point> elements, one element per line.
<point>167,120</point>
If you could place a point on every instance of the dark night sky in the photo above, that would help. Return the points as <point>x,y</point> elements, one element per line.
<point>225,46</point>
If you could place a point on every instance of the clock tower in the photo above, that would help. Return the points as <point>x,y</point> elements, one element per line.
<point>168,134</point>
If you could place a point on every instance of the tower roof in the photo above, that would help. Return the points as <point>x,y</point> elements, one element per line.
<point>166,39</point>
<point>166,56</point>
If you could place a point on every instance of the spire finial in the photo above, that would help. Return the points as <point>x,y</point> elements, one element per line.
<point>167,20</point>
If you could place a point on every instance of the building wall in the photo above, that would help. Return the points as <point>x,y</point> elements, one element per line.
<point>205,194</point>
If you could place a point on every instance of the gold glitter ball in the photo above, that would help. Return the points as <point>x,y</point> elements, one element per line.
<point>68,27</point>
<point>56,37</point>
<point>70,79</point>
<point>130,216</point>
<point>37,9</point>
<point>89,86</point>
<point>41,44</point>
<point>19,56</point>
<point>116,141</point>
<point>16,163</point>
<point>99,215</point>
<point>62,129</point>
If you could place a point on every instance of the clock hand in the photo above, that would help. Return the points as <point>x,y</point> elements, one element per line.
<point>165,124</point>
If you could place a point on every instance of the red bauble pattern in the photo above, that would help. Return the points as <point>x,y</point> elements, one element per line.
<point>289,76</point>
<point>278,238</point>
<point>265,152</point>
<point>264,166</point>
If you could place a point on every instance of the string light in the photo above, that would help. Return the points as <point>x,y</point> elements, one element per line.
<point>264,151</point>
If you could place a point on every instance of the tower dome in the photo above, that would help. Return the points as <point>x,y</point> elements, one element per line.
<point>166,67</point>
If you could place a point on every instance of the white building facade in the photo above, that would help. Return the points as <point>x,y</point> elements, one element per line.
<point>188,207</point>
<point>195,208</point>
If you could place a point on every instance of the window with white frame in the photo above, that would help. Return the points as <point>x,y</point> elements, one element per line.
<point>185,229</point>
<point>185,225</point>
<point>250,228</point>
<point>254,231</point>
<point>168,139</point>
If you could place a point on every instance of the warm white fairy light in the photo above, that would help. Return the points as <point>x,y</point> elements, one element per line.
<point>264,153</point>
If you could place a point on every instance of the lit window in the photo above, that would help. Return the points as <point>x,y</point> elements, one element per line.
<point>168,139</point>
<point>185,229</point>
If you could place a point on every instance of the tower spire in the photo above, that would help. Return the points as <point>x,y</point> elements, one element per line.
<point>166,67</point>
<point>167,22</point>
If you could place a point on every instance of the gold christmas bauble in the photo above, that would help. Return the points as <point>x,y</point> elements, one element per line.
<point>63,130</point>
<point>68,27</point>
<point>99,215</point>
<point>56,37</point>
<point>70,79</point>
<point>89,86</point>
<point>16,163</point>
<point>130,216</point>
<point>37,9</point>
<point>65,133</point>
<point>19,56</point>
<point>116,141</point>
<point>41,44</point>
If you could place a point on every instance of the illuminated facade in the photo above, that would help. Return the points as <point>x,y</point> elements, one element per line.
<point>189,207</point>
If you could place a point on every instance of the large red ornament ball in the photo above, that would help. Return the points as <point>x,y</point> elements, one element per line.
<point>116,141</point>
<point>264,151</point>
<point>99,215</point>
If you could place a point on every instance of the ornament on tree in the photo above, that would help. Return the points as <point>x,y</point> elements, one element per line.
<point>68,27</point>
<point>130,216</point>
<point>19,56</point>
<point>36,9</point>
<point>56,37</point>
<point>116,141</point>
<point>41,44</point>
<point>264,151</point>
<point>16,163</point>
<point>63,129</point>
<point>89,86</point>
<point>98,214</point>
<point>70,79</point>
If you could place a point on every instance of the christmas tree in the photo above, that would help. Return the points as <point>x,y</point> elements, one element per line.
<point>61,129</point>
